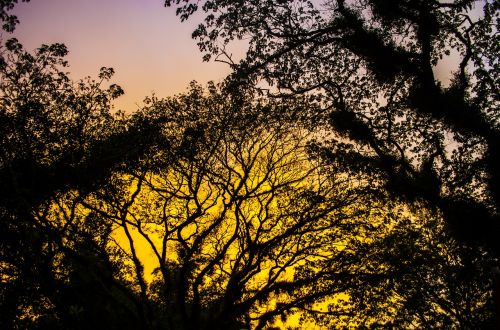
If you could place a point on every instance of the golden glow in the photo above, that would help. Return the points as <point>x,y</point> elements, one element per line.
<point>247,192</point>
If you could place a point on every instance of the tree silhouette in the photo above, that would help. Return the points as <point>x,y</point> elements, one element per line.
<point>322,203</point>
<point>230,218</point>
<point>434,281</point>
<point>56,136</point>
<point>371,65</point>
<point>237,222</point>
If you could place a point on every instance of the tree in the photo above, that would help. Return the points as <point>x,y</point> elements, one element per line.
<point>433,281</point>
<point>371,65</point>
<point>229,213</point>
<point>56,137</point>
<point>229,207</point>
<point>237,223</point>
<point>228,218</point>
<point>220,209</point>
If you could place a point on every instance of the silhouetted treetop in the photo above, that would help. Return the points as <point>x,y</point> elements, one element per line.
<point>371,65</point>
<point>49,124</point>
<point>316,186</point>
<point>228,216</point>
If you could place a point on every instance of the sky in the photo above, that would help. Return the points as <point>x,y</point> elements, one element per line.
<point>146,44</point>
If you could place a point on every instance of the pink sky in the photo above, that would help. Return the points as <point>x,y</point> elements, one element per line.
<point>150,50</point>
<point>146,44</point>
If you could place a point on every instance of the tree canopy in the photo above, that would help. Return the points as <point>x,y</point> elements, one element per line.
<point>332,181</point>
<point>371,65</point>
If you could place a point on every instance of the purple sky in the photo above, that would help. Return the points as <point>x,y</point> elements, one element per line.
<point>150,50</point>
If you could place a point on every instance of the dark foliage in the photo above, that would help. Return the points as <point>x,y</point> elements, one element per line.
<point>329,202</point>
<point>371,64</point>
<point>56,136</point>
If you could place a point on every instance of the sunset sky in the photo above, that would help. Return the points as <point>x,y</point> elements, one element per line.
<point>149,48</point>
<point>146,44</point>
